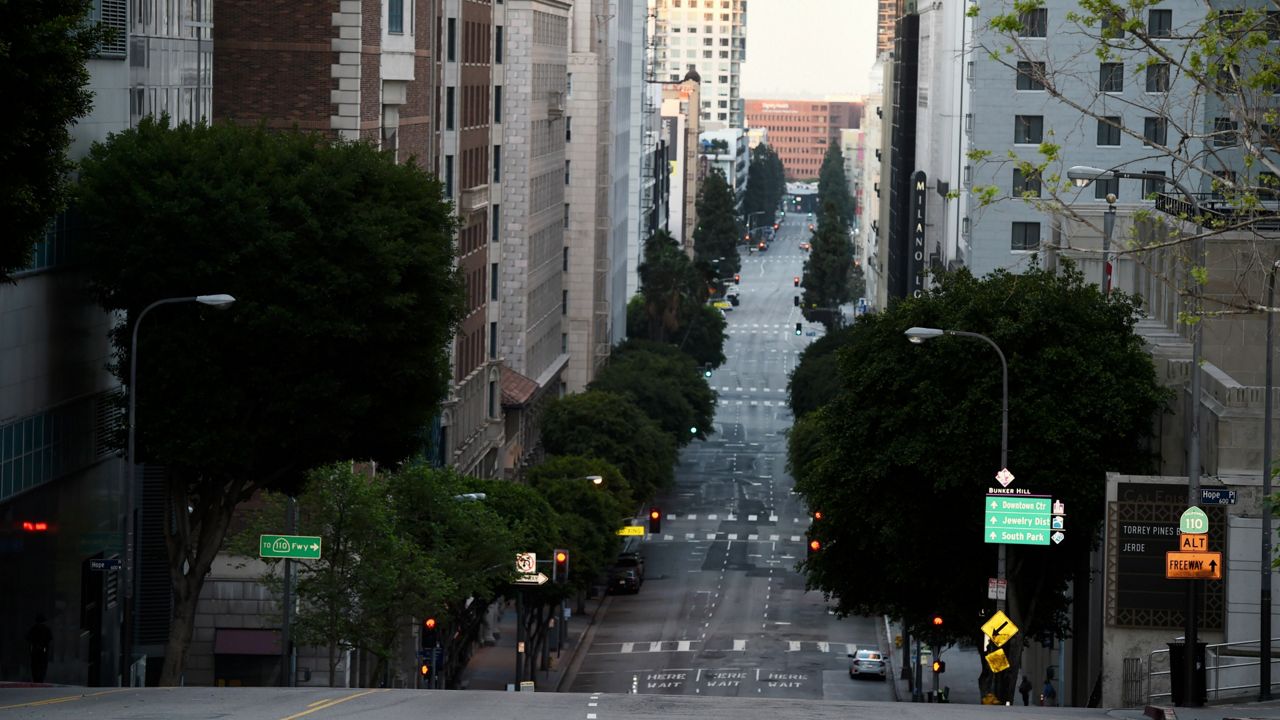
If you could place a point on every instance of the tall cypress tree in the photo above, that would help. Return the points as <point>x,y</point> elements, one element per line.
<point>715,240</point>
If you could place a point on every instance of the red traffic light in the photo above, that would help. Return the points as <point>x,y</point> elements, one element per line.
<point>775,226</point>
<point>36,526</point>
<point>425,669</point>
<point>654,514</point>
<point>429,623</point>
<point>737,277</point>
<point>817,514</point>
<point>815,546</point>
<point>937,621</point>
<point>796,281</point>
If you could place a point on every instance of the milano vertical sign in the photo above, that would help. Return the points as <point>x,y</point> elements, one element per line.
<point>915,259</point>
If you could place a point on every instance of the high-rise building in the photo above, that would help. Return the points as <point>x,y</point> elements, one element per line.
<point>626,116</point>
<point>800,130</point>
<point>887,12</point>
<point>680,127</point>
<point>710,35</point>
<point>528,258</point>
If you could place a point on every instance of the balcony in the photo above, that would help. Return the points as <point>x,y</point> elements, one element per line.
<point>474,199</point>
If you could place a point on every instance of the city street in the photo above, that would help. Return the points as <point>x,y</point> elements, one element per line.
<point>723,611</point>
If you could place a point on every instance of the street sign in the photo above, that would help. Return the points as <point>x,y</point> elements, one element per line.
<point>999,628</point>
<point>1017,520</point>
<point>632,530</point>
<point>1193,565</point>
<point>1198,542</point>
<point>1193,521</point>
<point>1004,477</point>
<point>1057,537</point>
<point>532,579</point>
<point>997,589</point>
<point>297,547</point>
<point>1217,497</point>
<point>104,564</point>
<point>998,661</point>
<point>526,563</point>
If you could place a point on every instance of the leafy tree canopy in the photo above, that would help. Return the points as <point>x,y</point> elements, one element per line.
<point>665,383</point>
<point>341,262</point>
<point>828,269</point>
<point>589,514</point>
<point>43,48</point>
<point>611,427</point>
<point>835,197</point>
<point>816,378</point>
<point>902,454</point>
<point>671,306</point>
<point>715,239</point>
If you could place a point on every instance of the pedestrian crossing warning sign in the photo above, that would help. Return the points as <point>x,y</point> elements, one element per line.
<point>997,660</point>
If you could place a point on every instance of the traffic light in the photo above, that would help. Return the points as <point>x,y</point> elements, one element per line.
<point>817,515</point>
<point>35,526</point>
<point>747,238</point>
<point>655,520</point>
<point>796,301</point>
<point>775,226</point>
<point>814,547</point>
<point>799,329</point>
<point>706,371</point>
<point>939,666</point>
<point>560,566</point>
<point>795,281</point>
<point>424,668</point>
<point>937,621</point>
<point>737,277</point>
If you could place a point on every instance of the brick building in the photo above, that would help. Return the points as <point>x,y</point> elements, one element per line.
<point>800,130</point>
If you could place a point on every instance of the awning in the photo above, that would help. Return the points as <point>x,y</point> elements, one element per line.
<point>237,641</point>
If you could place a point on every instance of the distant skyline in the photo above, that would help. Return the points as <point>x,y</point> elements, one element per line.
<point>809,48</point>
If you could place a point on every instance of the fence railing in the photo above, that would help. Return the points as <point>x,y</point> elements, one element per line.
<point>1230,670</point>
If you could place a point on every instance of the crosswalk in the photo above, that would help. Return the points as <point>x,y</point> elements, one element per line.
<point>715,536</point>
<point>727,388</point>
<point>738,645</point>
<point>731,517</point>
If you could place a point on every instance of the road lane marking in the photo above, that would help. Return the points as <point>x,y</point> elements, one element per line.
<point>711,517</point>
<point>793,646</point>
<point>331,703</point>
<point>739,645</point>
<point>655,646</point>
<point>751,518</point>
<point>824,647</point>
<point>64,698</point>
<point>628,647</point>
<point>684,645</point>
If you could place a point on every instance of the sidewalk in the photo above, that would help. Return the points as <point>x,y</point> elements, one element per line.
<point>494,667</point>
<point>964,666</point>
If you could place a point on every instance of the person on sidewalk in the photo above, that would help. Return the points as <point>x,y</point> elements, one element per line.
<point>1024,687</point>
<point>1049,696</point>
<point>39,637</point>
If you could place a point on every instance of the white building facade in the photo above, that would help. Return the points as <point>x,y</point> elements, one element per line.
<point>710,35</point>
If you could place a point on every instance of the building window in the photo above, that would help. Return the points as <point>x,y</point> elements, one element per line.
<point>566,172</point>
<point>564,265</point>
<point>1028,129</point>
<point>1026,236</point>
<point>564,342</point>
<point>1111,77</point>
<point>1029,75</point>
<point>493,398</point>
<point>1026,185</point>
<point>497,104</point>
<point>1158,78</point>
<point>497,163</point>
<point>496,231</point>
<point>451,47</point>
<point>1109,131</point>
<point>497,45</point>
<point>1035,23</point>
<point>1160,23</point>
<point>1156,131</point>
<point>564,302</point>
<point>448,175</point>
<point>493,330</point>
<point>493,283</point>
<point>1224,132</point>
<point>1150,186</point>
<point>449,107</point>
<point>566,216</point>
<point>1103,188</point>
<point>395,16</point>
<point>568,129</point>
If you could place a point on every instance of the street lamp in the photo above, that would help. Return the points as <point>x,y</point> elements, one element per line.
<point>220,300</point>
<point>918,335</point>
<point>1082,175</point>
<point>595,480</point>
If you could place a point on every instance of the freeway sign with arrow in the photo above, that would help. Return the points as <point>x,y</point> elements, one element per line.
<point>1193,565</point>
<point>297,547</point>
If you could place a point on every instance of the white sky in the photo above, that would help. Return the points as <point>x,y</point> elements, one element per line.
<point>808,48</point>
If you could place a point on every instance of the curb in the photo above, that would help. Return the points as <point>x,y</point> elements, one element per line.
<point>893,676</point>
<point>1160,712</point>
<point>576,657</point>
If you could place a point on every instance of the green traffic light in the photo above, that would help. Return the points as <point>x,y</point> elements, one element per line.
<point>693,431</point>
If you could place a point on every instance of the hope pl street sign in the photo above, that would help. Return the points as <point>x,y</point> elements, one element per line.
<point>1017,520</point>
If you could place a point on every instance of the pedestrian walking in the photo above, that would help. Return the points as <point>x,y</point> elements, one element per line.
<point>1049,696</point>
<point>1025,687</point>
<point>39,637</point>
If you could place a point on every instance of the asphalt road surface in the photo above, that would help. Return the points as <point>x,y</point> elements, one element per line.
<point>723,611</point>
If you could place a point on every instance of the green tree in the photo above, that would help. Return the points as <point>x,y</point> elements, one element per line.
<point>342,265</point>
<point>43,48</point>
<point>611,427</point>
<point>900,454</point>
<point>828,269</point>
<point>715,239</point>
<point>672,304</point>
<point>589,514</point>
<point>816,378</point>
<point>766,184</point>
<point>835,197</point>
<point>665,383</point>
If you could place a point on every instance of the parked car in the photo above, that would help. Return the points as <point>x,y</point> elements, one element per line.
<point>868,662</point>
<point>624,580</point>
<point>733,299</point>
<point>804,246</point>
<point>762,246</point>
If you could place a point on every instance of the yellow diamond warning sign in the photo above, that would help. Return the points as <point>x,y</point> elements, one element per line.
<point>997,660</point>
<point>999,628</point>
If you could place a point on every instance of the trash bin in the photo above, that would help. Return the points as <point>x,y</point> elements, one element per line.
<point>1177,674</point>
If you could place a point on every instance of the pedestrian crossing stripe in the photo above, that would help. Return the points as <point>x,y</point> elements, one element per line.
<point>739,645</point>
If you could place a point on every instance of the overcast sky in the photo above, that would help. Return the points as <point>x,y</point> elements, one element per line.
<point>808,48</point>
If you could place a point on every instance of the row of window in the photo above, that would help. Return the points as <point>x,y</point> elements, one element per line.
<point>1029,130</point>
<point>1035,23</point>
<point>708,4</point>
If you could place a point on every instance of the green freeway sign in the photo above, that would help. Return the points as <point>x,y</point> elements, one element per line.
<point>1016,520</point>
<point>298,547</point>
<point>1193,522</point>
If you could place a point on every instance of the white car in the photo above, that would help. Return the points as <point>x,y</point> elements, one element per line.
<point>868,662</point>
